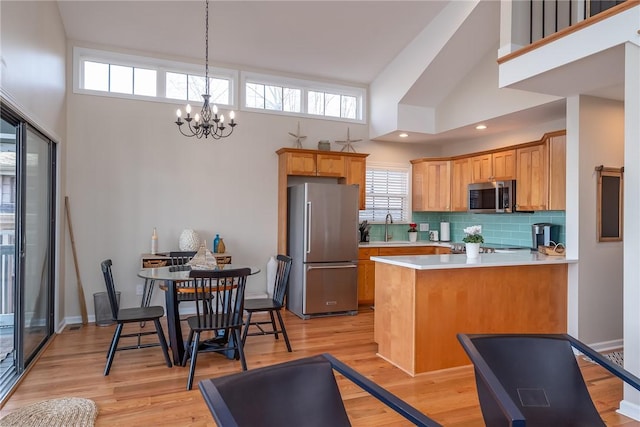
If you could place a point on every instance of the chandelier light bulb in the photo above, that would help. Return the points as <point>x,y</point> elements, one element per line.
<point>215,109</point>
<point>232,115</point>
<point>221,118</point>
<point>179,113</point>
<point>188,109</point>
<point>197,117</point>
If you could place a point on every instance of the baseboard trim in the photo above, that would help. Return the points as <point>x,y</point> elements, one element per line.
<point>628,409</point>
<point>607,345</point>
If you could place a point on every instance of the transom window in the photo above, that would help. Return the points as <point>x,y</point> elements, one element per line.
<point>303,97</point>
<point>386,191</point>
<point>113,74</point>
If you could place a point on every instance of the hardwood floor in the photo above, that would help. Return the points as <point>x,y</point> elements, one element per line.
<point>142,391</point>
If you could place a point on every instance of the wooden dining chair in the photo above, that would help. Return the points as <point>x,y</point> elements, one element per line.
<point>270,305</point>
<point>123,316</point>
<point>219,296</point>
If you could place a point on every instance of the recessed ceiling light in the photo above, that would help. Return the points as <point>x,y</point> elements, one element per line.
<point>403,135</point>
<point>481,127</point>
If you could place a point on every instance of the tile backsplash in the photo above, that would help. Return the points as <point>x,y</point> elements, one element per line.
<point>512,229</point>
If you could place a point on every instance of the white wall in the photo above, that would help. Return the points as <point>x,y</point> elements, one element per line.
<point>33,81</point>
<point>600,285</point>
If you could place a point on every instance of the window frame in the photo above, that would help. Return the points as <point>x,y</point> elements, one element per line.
<point>360,93</point>
<point>396,167</point>
<point>161,66</point>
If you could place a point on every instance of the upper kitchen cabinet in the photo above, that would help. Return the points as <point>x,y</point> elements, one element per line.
<point>344,168</point>
<point>356,169</point>
<point>541,174</point>
<point>460,180</point>
<point>532,179</point>
<point>557,171</point>
<point>497,166</point>
<point>431,185</point>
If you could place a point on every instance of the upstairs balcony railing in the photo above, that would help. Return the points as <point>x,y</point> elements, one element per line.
<point>547,17</point>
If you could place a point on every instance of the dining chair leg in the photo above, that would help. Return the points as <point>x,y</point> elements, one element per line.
<point>284,331</point>
<point>112,348</point>
<point>163,342</point>
<point>273,324</point>
<point>240,348</point>
<point>246,328</point>
<point>147,292</point>
<point>187,349</point>
<point>194,356</point>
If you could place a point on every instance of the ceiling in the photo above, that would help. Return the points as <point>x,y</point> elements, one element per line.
<point>345,41</point>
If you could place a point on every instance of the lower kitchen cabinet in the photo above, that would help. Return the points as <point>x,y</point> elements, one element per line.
<point>367,268</point>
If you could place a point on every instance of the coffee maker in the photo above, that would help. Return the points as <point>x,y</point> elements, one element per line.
<point>543,234</point>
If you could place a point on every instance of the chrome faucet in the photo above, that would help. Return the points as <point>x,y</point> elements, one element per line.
<point>387,220</point>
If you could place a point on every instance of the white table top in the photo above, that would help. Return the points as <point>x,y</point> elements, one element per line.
<point>449,261</point>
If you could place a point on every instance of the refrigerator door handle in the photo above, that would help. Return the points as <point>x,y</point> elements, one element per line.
<point>308,249</point>
<point>324,267</point>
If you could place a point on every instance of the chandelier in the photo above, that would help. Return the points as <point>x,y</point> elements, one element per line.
<point>207,122</point>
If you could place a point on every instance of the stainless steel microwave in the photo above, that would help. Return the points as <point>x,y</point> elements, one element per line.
<point>492,197</point>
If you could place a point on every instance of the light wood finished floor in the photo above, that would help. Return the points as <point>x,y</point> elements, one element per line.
<point>142,391</point>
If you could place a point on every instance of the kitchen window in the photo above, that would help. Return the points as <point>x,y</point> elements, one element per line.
<point>386,191</point>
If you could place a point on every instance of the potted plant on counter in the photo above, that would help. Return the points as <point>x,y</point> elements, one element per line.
<point>413,232</point>
<point>472,240</point>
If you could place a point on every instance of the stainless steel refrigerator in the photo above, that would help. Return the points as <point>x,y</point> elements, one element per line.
<point>323,242</point>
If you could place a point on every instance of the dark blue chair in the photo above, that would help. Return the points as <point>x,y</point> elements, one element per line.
<point>535,380</point>
<point>301,392</point>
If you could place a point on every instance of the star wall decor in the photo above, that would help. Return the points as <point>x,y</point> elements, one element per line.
<point>299,138</point>
<point>348,144</point>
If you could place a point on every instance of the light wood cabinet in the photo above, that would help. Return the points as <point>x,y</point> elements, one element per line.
<point>460,180</point>
<point>366,275</point>
<point>498,166</point>
<point>330,165</point>
<point>367,268</point>
<point>532,179</point>
<point>557,172</point>
<point>431,185</point>
<point>346,168</point>
<point>356,169</point>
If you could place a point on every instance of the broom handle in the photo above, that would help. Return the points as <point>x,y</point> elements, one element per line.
<point>83,302</point>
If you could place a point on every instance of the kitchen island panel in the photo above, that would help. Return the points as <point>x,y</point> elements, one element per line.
<point>522,299</point>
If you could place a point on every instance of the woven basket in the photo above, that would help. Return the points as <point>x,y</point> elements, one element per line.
<point>154,263</point>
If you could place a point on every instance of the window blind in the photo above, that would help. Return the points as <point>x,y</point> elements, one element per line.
<point>387,191</point>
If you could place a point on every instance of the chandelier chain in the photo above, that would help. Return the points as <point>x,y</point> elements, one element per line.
<point>206,49</point>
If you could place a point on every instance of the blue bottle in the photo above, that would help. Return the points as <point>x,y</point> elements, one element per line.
<point>216,242</point>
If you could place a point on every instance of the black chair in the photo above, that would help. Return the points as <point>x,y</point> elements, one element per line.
<point>131,315</point>
<point>301,392</point>
<point>535,380</point>
<point>270,305</point>
<point>219,296</point>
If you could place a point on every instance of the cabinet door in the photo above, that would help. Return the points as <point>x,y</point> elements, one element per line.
<point>532,178</point>
<point>482,168</point>
<point>330,165</point>
<point>557,173</point>
<point>366,282</point>
<point>504,165</point>
<point>460,179</point>
<point>356,174</point>
<point>431,185</point>
<point>438,186</point>
<point>301,164</point>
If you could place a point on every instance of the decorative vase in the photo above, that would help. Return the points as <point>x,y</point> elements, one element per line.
<point>413,236</point>
<point>189,240</point>
<point>472,250</point>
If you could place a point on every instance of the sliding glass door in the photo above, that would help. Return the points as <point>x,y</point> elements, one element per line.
<point>27,185</point>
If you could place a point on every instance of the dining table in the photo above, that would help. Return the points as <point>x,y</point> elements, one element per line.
<point>173,276</point>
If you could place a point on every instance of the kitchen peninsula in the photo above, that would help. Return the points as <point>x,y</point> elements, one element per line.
<point>423,301</point>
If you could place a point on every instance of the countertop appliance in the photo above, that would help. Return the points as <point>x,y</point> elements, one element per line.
<point>323,242</point>
<point>542,234</point>
<point>492,197</point>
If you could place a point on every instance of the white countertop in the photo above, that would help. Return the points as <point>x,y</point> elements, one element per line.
<point>446,261</point>
<point>402,244</point>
